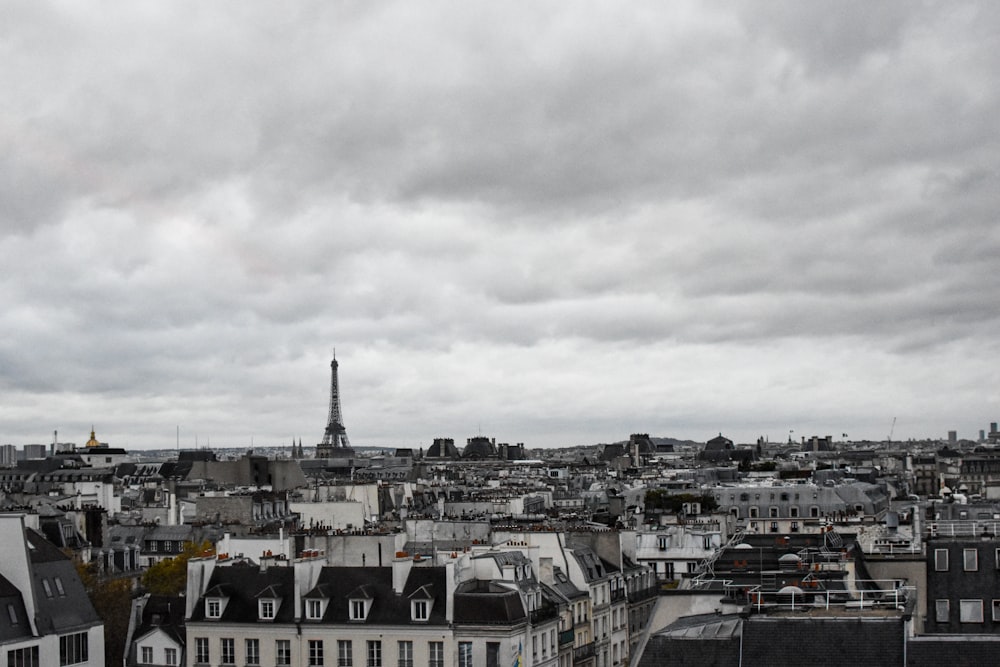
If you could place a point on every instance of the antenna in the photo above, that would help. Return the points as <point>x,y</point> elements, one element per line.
<point>892,428</point>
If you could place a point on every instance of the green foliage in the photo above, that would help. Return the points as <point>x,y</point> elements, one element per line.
<point>169,576</point>
<point>661,499</point>
<point>112,600</point>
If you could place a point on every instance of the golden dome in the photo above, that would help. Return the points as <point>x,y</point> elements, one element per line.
<point>93,439</point>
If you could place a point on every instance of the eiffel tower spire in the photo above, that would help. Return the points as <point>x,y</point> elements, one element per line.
<point>335,443</point>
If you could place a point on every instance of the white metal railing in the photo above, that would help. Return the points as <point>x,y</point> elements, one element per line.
<point>886,593</point>
<point>963,528</point>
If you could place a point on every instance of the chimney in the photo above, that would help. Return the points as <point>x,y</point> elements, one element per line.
<point>401,565</point>
<point>450,585</point>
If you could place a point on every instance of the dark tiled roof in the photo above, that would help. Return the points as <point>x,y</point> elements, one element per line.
<point>11,630</point>
<point>487,603</point>
<point>953,651</point>
<point>344,583</point>
<point>244,583</point>
<point>165,613</point>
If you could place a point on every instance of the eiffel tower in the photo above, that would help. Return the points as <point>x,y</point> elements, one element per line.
<point>335,444</point>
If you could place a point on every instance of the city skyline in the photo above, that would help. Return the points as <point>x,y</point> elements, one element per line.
<point>554,224</point>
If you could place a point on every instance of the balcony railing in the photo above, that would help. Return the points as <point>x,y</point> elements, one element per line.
<point>617,594</point>
<point>565,637</point>
<point>644,594</point>
<point>963,528</point>
<point>544,614</point>
<point>584,652</point>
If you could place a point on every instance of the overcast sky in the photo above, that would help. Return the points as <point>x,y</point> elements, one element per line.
<point>549,223</point>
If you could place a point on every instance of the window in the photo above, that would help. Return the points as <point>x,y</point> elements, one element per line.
<point>662,541</point>
<point>464,654</point>
<point>201,654</point>
<point>941,560</point>
<point>266,608</point>
<point>47,587</point>
<point>996,610</point>
<point>358,610</point>
<point>814,511</point>
<point>795,527</point>
<point>59,587</point>
<point>970,560</point>
<point>774,526</point>
<point>374,653</point>
<point>314,609</point>
<point>23,657</point>
<point>754,512</point>
<point>170,656</point>
<point>147,655</point>
<point>420,610</point>
<point>970,611</point>
<point>772,512</point>
<point>253,651</point>
<point>436,652</point>
<point>213,608</point>
<point>345,653</point>
<point>283,651</point>
<point>12,612</point>
<point>315,652</point>
<point>228,650</point>
<point>405,651</point>
<point>793,512</point>
<point>492,654</point>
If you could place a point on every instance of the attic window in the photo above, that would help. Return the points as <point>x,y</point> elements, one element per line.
<point>420,610</point>
<point>213,608</point>
<point>315,609</point>
<point>266,609</point>
<point>59,587</point>
<point>359,609</point>
<point>47,587</point>
<point>12,613</point>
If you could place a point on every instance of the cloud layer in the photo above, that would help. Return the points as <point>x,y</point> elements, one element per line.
<point>553,224</point>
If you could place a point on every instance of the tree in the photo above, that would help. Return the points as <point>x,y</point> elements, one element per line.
<point>112,600</point>
<point>169,576</point>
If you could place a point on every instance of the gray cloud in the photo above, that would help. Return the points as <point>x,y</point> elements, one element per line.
<point>556,224</point>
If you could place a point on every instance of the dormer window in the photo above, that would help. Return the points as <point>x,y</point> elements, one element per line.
<point>359,610</point>
<point>421,601</point>
<point>360,601</point>
<point>268,601</point>
<point>316,602</point>
<point>215,602</point>
<point>315,608</point>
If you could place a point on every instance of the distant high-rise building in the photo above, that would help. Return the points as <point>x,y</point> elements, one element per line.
<point>8,456</point>
<point>35,451</point>
<point>952,437</point>
<point>335,443</point>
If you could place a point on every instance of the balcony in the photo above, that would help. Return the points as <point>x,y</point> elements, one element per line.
<point>585,652</point>
<point>644,594</point>
<point>617,594</point>
<point>566,637</point>
<point>546,613</point>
